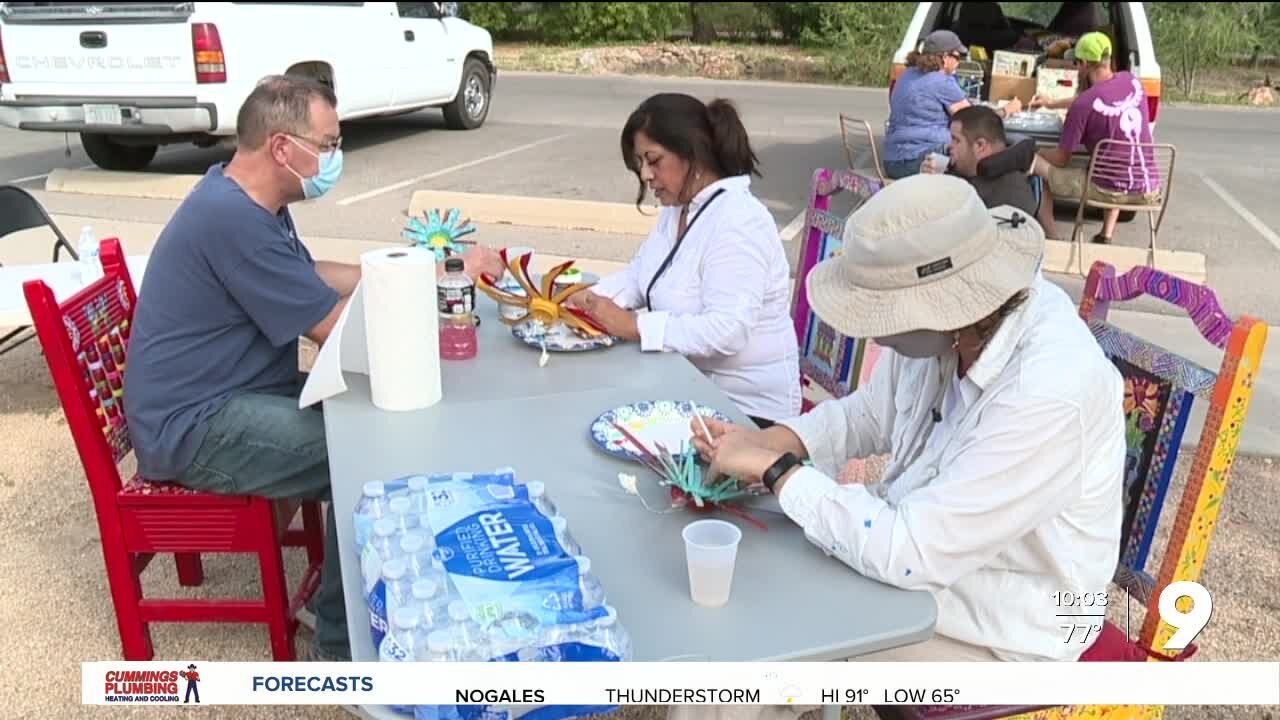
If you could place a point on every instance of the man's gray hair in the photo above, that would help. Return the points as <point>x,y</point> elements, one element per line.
<point>279,104</point>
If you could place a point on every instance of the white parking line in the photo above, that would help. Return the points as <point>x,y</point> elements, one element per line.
<point>29,178</point>
<point>1243,212</point>
<point>792,227</point>
<point>432,175</point>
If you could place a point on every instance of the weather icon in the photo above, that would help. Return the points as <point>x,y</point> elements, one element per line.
<point>790,694</point>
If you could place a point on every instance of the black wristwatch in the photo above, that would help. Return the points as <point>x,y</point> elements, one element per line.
<point>779,468</point>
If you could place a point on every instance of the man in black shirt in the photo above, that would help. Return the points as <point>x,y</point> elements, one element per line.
<point>1002,174</point>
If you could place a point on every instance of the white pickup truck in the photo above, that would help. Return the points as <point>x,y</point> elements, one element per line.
<point>129,77</point>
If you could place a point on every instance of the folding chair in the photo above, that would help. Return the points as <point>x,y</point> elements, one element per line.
<point>827,359</point>
<point>1160,388</point>
<point>1116,163</point>
<point>860,149</point>
<point>20,211</point>
<point>85,340</point>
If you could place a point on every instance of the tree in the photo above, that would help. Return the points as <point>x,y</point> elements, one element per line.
<point>1190,37</point>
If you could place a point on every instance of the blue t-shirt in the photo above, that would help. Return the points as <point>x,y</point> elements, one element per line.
<point>918,118</point>
<point>228,291</point>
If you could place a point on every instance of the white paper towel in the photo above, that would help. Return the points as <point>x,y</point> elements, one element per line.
<point>388,331</point>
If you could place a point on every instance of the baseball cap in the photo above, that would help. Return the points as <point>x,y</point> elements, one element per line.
<point>943,41</point>
<point>1091,47</point>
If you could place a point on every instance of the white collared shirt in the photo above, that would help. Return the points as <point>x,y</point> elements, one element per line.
<point>1013,495</point>
<point>723,302</point>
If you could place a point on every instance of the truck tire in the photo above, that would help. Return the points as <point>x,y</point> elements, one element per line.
<point>471,106</point>
<point>110,155</point>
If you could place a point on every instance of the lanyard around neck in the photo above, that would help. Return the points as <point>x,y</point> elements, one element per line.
<point>666,262</point>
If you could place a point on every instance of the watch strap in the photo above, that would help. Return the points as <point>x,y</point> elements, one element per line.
<point>779,468</point>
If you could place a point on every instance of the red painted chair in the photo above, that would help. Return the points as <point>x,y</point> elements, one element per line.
<point>84,342</point>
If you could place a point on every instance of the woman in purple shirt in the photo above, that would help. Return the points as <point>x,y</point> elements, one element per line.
<point>923,100</point>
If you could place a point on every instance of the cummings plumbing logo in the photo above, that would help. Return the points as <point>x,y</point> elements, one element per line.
<point>150,686</point>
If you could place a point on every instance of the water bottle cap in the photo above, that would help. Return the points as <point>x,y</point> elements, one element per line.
<point>454,265</point>
<point>610,616</point>
<point>458,611</point>
<point>424,589</point>
<point>584,564</point>
<point>401,505</point>
<point>412,543</point>
<point>406,617</point>
<point>439,641</point>
<point>374,488</point>
<point>384,527</point>
<point>417,483</point>
<point>536,488</point>
<point>394,569</point>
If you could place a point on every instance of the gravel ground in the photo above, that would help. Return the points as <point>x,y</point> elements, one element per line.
<point>52,581</point>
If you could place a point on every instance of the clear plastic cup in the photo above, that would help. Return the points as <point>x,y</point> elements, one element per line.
<point>939,162</point>
<point>711,551</point>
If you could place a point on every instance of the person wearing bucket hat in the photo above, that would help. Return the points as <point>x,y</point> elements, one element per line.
<point>1002,419</point>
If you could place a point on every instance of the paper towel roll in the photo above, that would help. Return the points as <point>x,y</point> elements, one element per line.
<point>402,327</point>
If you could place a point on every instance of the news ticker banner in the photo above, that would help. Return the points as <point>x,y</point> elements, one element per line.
<point>664,683</point>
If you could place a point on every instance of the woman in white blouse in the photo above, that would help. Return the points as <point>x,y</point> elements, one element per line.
<point>711,281</point>
<point>1002,418</point>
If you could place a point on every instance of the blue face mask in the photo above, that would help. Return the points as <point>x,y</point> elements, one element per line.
<point>330,169</point>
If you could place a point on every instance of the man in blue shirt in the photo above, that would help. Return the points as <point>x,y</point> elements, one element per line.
<point>212,377</point>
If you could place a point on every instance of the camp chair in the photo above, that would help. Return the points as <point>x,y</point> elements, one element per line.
<point>828,360</point>
<point>20,211</point>
<point>860,149</point>
<point>1115,161</point>
<point>85,341</point>
<point>1160,388</point>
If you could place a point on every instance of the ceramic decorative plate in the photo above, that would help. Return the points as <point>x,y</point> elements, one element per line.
<point>561,338</point>
<point>661,421</point>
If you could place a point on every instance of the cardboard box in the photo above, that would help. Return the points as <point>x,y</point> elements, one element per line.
<point>1057,83</point>
<point>1012,64</point>
<point>1004,87</point>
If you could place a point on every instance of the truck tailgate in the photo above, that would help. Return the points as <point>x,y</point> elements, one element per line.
<point>93,51</point>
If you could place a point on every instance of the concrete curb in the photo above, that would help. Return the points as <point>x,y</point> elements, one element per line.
<point>588,215</point>
<point>1067,258</point>
<point>157,186</point>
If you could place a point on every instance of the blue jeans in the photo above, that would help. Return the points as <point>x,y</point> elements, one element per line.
<point>263,445</point>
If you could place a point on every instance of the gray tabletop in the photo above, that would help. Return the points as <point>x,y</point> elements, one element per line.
<point>790,601</point>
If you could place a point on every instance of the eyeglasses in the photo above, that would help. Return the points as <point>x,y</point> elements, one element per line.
<point>322,146</point>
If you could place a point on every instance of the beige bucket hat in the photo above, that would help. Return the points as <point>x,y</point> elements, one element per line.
<point>925,253</point>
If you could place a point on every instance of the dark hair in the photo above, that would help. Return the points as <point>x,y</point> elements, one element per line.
<point>280,103</point>
<point>981,122</point>
<point>927,62</point>
<point>986,328</point>
<point>707,136</point>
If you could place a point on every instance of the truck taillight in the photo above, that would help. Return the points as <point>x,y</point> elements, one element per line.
<point>4,67</point>
<point>206,44</point>
<point>1153,107</point>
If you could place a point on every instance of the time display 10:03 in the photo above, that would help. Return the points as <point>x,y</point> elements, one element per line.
<point>1071,599</point>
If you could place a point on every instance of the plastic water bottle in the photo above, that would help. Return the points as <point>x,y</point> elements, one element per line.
<point>418,497</point>
<point>538,496</point>
<point>383,546</point>
<point>394,590</point>
<point>90,258</point>
<point>372,505</point>
<point>403,644</point>
<point>439,649</point>
<point>566,541</point>
<point>401,510</point>
<point>611,636</point>
<point>416,550</point>
<point>432,604</point>
<point>592,590</point>
<point>470,643</point>
<point>456,298</point>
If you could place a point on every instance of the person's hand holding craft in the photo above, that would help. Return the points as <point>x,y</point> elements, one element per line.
<point>483,260</point>
<point>615,320</point>
<point>741,455</point>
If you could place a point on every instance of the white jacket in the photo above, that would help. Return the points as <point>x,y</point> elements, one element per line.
<point>1015,497</point>
<point>723,302</point>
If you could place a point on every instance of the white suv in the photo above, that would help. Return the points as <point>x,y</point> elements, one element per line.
<point>129,77</point>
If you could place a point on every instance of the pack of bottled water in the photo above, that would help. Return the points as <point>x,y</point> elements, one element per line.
<point>468,567</point>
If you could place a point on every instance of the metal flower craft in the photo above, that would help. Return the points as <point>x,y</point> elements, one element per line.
<point>686,477</point>
<point>543,305</point>
<point>439,235</point>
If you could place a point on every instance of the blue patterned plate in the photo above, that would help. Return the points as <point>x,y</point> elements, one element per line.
<point>661,421</point>
<point>560,338</point>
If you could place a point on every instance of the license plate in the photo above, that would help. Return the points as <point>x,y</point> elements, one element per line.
<point>102,115</point>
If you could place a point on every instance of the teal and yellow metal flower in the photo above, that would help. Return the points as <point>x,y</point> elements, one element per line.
<point>437,235</point>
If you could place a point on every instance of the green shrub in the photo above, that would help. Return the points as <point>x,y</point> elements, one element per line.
<point>560,22</point>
